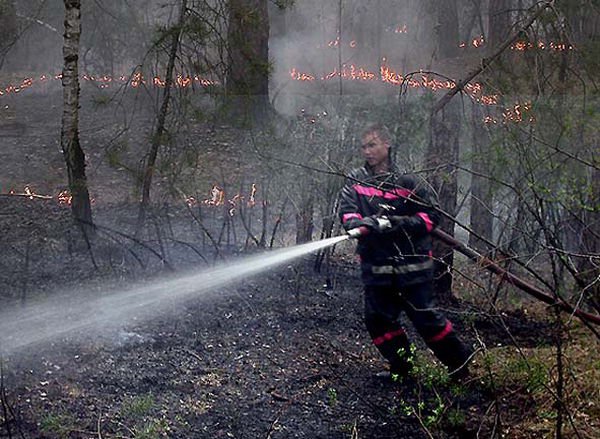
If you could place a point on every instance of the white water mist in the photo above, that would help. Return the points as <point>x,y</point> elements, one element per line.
<point>60,316</point>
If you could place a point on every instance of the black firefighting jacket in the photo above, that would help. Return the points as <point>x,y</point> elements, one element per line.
<point>401,255</point>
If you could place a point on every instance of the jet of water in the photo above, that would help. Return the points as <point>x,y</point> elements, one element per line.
<point>55,317</point>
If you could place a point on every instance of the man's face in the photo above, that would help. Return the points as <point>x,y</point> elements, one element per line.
<point>374,150</point>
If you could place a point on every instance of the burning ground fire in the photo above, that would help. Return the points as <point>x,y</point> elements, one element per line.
<point>518,113</point>
<point>216,198</point>
<point>105,81</point>
<point>350,72</point>
<point>522,45</point>
<point>387,75</point>
<point>63,198</point>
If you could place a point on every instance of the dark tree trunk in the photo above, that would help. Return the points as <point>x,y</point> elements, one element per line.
<point>8,27</point>
<point>447,29</point>
<point>442,156</point>
<point>583,18</point>
<point>590,244</point>
<point>481,221</point>
<point>304,221</point>
<point>247,82</point>
<point>157,138</point>
<point>69,139</point>
<point>442,152</point>
<point>498,22</point>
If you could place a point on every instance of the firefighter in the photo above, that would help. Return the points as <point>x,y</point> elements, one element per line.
<point>394,215</point>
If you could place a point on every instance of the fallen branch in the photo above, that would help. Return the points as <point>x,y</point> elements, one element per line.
<point>532,290</point>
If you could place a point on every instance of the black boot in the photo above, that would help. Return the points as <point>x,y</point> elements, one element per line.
<point>454,354</point>
<point>400,368</point>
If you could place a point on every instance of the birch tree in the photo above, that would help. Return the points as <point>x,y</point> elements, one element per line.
<point>69,139</point>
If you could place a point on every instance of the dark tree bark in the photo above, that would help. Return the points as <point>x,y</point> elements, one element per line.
<point>583,18</point>
<point>442,156</point>
<point>247,80</point>
<point>157,138</point>
<point>69,139</point>
<point>447,29</point>
<point>304,221</point>
<point>590,244</point>
<point>481,221</point>
<point>442,151</point>
<point>498,22</point>
<point>8,27</point>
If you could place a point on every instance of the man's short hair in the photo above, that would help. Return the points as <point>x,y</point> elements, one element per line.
<point>381,130</point>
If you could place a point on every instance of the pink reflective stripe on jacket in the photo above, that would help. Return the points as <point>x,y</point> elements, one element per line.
<point>386,195</point>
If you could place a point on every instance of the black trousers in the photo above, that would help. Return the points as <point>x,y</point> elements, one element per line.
<point>383,306</point>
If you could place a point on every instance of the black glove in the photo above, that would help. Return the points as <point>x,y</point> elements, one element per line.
<point>399,221</point>
<point>408,223</point>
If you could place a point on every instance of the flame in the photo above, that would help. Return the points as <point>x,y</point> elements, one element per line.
<point>216,196</point>
<point>518,113</point>
<point>301,76</point>
<point>105,81</point>
<point>252,197</point>
<point>388,75</point>
<point>522,46</point>
<point>64,198</point>
<point>28,191</point>
<point>478,42</point>
<point>401,29</point>
<point>233,203</point>
<point>191,201</point>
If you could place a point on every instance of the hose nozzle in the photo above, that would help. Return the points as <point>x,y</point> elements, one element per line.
<point>357,232</point>
<point>379,224</point>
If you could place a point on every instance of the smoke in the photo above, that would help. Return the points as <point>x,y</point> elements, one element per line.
<point>313,43</point>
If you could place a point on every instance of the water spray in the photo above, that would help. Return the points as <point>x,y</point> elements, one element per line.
<point>72,314</point>
<point>55,318</point>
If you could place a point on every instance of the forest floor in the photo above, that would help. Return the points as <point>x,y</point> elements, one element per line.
<point>283,354</point>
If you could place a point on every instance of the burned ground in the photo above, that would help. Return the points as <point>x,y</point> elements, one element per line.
<point>279,355</point>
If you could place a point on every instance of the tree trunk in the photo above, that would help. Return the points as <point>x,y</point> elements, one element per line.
<point>69,139</point>
<point>498,22</point>
<point>304,221</point>
<point>447,29</point>
<point>442,151</point>
<point>442,156</point>
<point>247,83</point>
<point>8,27</point>
<point>481,221</point>
<point>590,243</point>
<point>157,138</point>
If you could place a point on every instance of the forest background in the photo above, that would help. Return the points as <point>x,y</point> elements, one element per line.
<point>145,137</point>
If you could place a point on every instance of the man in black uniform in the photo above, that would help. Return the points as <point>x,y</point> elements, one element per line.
<point>392,215</point>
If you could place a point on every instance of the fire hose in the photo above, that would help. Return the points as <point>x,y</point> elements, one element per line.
<point>495,268</point>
